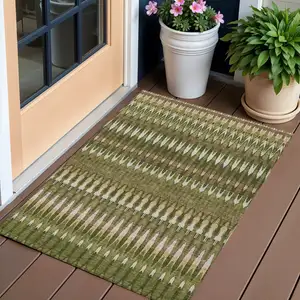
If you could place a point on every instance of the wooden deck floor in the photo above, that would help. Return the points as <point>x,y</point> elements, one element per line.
<point>260,262</point>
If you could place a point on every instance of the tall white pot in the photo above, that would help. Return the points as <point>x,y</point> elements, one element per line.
<point>188,57</point>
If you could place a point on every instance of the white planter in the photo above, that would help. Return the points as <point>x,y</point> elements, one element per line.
<point>188,57</point>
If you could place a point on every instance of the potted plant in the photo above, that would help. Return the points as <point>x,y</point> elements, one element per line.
<point>266,47</point>
<point>189,34</point>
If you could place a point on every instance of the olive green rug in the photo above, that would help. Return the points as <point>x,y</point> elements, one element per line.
<point>152,199</point>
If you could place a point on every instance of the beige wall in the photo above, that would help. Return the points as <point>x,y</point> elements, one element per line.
<point>292,4</point>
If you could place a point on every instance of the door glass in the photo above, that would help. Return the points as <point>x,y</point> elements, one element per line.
<point>93,22</point>
<point>63,46</point>
<point>59,7</point>
<point>29,16</point>
<point>31,68</point>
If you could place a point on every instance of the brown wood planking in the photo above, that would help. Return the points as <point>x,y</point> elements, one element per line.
<point>228,100</point>
<point>238,260</point>
<point>125,292</point>
<point>278,272</point>
<point>2,240</point>
<point>161,88</point>
<point>44,277</point>
<point>290,126</point>
<point>214,87</point>
<point>151,79</point>
<point>14,261</point>
<point>82,285</point>
<point>240,113</point>
<point>296,293</point>
<point>118,293</point>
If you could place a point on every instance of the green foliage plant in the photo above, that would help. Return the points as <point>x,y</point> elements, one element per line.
<point>266,42</point>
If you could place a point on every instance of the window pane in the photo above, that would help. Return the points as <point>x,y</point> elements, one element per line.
<point>93,26</point>
<point>31,69</point>
<point>63,46</point>
<point>29,17</point>
<point>59,7</point>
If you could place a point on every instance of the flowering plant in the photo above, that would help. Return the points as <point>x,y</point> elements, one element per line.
<point>186,15</point>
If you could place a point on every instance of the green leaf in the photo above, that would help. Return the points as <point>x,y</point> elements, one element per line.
<point>285,78</point>
<point>281,26</point>
<point>270,40</point>
<point>277,44</point>
<point>291,51</point>
<point>234,58</point>
<point>294,24</point>
<point>286,56</point>
<point>278,51</point>
<point>277,83</point>
<point>253,61</point>
<point>297,60</point>
<point>297,47</point>
<point>297,77</point>
<point>276,69</point>
<point>245,60</point>
<point>262,58</point>
<point>275,8</point>
<point>271,27</point>
<point>227,37</point>
<point>233,69</point>
<point>291,64</point>
<point>253,40</point>
<point>245,72</point>
<point>282,39</point>
<point>248,48</point>
<point>272,33</point>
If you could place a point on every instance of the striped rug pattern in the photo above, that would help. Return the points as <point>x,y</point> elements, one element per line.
<point>150,201</point>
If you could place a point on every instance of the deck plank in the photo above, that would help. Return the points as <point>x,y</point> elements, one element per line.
<point>214,87</point>
<point>296,293</point>
<point>278,272</point>
<point>14,261</point>
<point>44,277</point>
<point>240,113</point>
<point>82,285</point>
<point>118,293</point>
<point>161,88</point>
<point>290,126</point>
<point>2,240</point>
<point>228,100</point>
<point>239,258</point>
<point>151,79</point>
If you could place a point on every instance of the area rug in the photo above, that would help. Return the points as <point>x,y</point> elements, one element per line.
<point>150,201</point>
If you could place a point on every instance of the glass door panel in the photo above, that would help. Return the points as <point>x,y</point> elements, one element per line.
<point>69,33</point>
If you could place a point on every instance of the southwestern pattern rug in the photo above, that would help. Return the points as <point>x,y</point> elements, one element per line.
<point>150,201</point>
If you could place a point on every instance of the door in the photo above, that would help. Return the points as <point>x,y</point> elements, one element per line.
<point>64,57</point>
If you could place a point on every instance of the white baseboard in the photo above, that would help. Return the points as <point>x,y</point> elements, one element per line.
<point>66,142</point>
<point>232,80</point>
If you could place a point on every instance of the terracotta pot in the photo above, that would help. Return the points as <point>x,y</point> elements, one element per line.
<point>262,104</point>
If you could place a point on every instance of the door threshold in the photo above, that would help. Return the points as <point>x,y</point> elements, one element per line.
<point>37,168</point>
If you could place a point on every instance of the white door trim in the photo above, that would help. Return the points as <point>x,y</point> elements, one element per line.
<point>10,189</point>
<point>245,10</point>
<point>6,187</point>
<point>131,40</point>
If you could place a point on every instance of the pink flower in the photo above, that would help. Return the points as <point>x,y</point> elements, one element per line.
<point>179,2</point>
<point>151,8</point>
<point>219,18</point>
<point>176,10</point>
<point>198,7</point>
